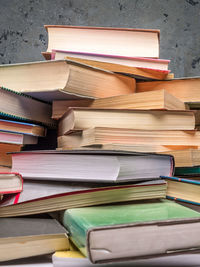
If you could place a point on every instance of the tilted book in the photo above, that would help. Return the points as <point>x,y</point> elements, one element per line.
<point>46,196</point>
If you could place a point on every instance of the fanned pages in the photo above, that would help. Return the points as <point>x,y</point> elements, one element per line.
<point>46,196</point>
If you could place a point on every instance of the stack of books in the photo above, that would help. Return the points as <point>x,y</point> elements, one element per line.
<point>105,182</point>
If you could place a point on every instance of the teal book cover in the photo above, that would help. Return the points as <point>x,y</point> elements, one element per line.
<point>81,220</point>
<point>187,171</point>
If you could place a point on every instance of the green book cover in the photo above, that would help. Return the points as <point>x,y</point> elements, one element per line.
<point>184,171</point>
<point>79,221</point>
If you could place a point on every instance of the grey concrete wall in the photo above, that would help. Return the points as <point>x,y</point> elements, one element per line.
<point>22,36</point>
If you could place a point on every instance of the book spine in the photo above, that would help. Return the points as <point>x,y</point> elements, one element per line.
<point>183,200</point>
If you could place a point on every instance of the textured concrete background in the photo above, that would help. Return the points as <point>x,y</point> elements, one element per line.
<point>22,36</point>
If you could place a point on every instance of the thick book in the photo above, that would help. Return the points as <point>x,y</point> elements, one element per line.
<point>188,157</point>
<point>91,165</point>
<point>104,40</point>
<point>148,100</point>
<point>69,80</point>
<point>47,196</point>
<point>30,236</point>
<point>10,183</point>
<point>144,229</point>
<point>18,106</point>
<point>185,89</point>
<point>84,118</point>
<point>22,128</point>
<point>137,62</point>
<point>102,136</point>
<point>138,73</point>
<point>186,190</point>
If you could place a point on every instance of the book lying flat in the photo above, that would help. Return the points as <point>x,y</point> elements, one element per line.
<point>148,100</point>
<point>63,144</point>
<point>75,258</point>
<point>10,183</point>
<point>18,106</point>
<point>189,157</point>
<point>144,229</point>
<point>91,165</point>
<point>17,138</point>
<point>84,118</point>
<point>185,89</point>
<point>5,156</point>
<point>22,128</point>
<point>47,196</point>
<point>186,190</point>
<point>138,73</point>
<point>104,40</point>
<point>25,237</point>
<point>64,79</point>
<point>137,62</point>
<point>187,171</point>
<point>103,136</point>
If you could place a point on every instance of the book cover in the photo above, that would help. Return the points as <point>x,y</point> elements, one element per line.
<point>116,232</point>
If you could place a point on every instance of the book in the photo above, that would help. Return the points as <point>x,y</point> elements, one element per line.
<point>30,236</point>
<point>91,165</point>
<point>5,156</point>
<point>104,40</point>
<point>187,171</point>
<point>47,196</point>
<point>75,258</point>
<point>135,72</point>
<point>189,157</point>
<point>127,231</point>
<point>18,106</point>
<point>22,128</point>
<point>69,80</point>
<point>17,138</point>
<point>84,118</point>
<point>147,100</point>
<point>185,89</point>
<point>186,190</point>
<point>10,183</point>
<point>137,62</point>
<point>63,144</point>
<point>102,136</point>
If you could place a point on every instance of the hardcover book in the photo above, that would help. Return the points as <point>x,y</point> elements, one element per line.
<point>31,236</point>
<point>47,196</point>
<point>91,165</point>
<point>69,80</point>
<point>186,190</point>
<point>103,40</point>
<point>130,231</point>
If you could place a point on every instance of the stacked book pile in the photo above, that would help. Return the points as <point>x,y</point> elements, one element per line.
<point>123,124</point>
